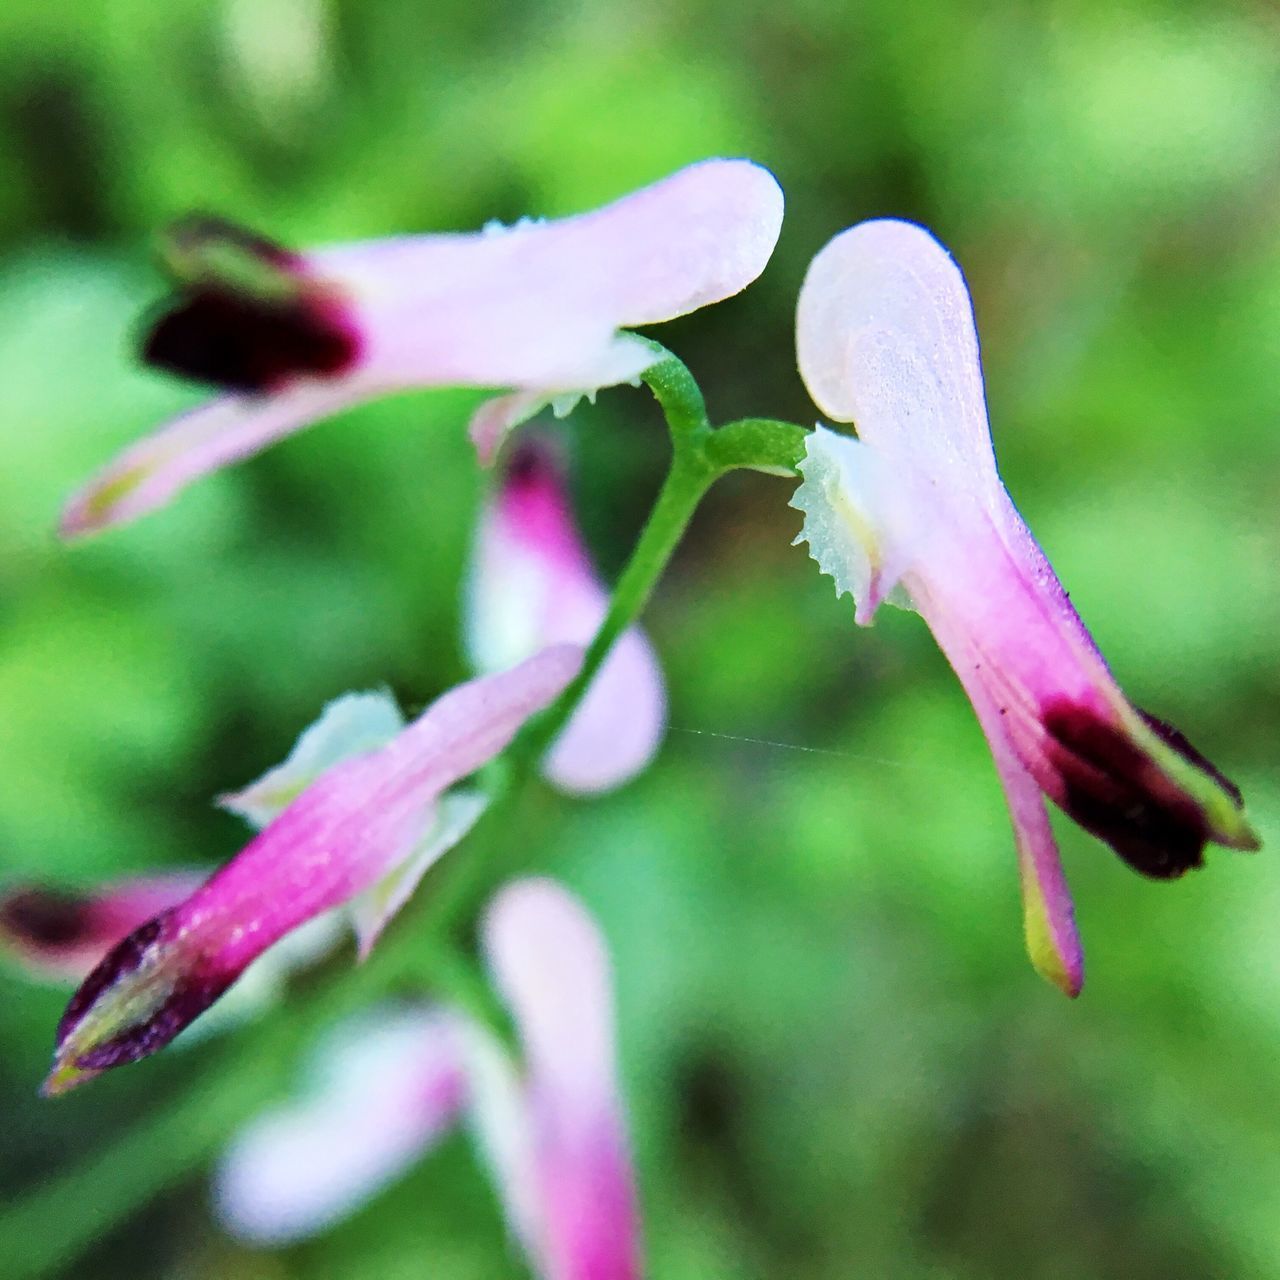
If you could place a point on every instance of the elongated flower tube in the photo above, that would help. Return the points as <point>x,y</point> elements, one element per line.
<point>538,307</point>
<point>387,1086</point>
<point>532,584</point>
<point>343,836</point>
<point>914,512</point>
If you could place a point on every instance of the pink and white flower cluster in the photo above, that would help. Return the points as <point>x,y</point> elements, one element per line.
<point>911,510</point>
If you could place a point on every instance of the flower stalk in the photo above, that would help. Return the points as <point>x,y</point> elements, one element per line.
<point>438,949</point>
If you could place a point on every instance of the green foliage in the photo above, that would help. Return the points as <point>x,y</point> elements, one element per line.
<point>837,1059</point>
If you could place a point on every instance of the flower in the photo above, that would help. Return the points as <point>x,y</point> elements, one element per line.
<point>914,512</point>
<point>386,1087</point>
<point>295,337</point>
<point>531,584</point>
<point>367,828</point>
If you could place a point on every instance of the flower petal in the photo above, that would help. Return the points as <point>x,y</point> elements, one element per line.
<point>623,360</point>
<point>538,305</point>
<point>351,725</point>
<point>226,430</point>
<point>617,728</point>
<point>499,1123</point>
<point>496,418</point>
<point>384,1088</point>
<point>1048,916</point>
<point>550,965</point>
<point>60,935</point>
<point>885,339</point>
<point>457,812</point>
<point>858,521</point>
<point>532,584</point>
<point>340,837</point>
<point>249,316</point>
<point>536,308</point>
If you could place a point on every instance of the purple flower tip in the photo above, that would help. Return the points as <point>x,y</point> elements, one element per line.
<point>1114,787</point>
<point>247,316</point>
<point>144,992</point>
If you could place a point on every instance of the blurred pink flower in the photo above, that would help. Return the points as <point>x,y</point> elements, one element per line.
<point>536,307</point>
<point>58,935</point>
<point>913,511</point>
<point>532,584</point>
<point>386,1087</point>
<point>366,828</point>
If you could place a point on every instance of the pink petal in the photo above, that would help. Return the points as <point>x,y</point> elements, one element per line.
<point>550,965</point>
<point>536,308</point>
<point>383,1089</point>
<point>538,305</point>
<point>354,725</point>
<point>500,1125</point>
<point>1049,925</point>
<point>159,466</point>
<point>532,584</point>
<point>60,936</point>
<point>495,419</point>
<point>346,832</point>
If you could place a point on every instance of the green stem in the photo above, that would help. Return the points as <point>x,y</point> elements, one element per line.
<point>686,483</point>
<point>680,398</point>
<point>461,887</point>
<point>762,444</point>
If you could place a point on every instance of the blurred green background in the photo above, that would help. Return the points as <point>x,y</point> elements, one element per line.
<point>838,1061</point>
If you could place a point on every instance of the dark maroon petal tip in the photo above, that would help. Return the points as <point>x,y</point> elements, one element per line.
<point>1113,789</point>
<point>142,994</point>
<point>45,918</point>
<point>247,317</point>
<point>190,997</point>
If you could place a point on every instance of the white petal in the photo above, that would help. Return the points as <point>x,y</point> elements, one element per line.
<point>456,813</point>
<point>885,339</point>
<point>349,726</point>
<point>532,584</point>
<point>858,521</point>
<point>617,728</point>
<point>550,965</point>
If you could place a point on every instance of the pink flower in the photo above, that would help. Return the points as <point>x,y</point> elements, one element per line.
<point>913,511</point>
<point>294,337</point>
<point>369,825</point>
<point>386,1088</point>
<point>531,585</point>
